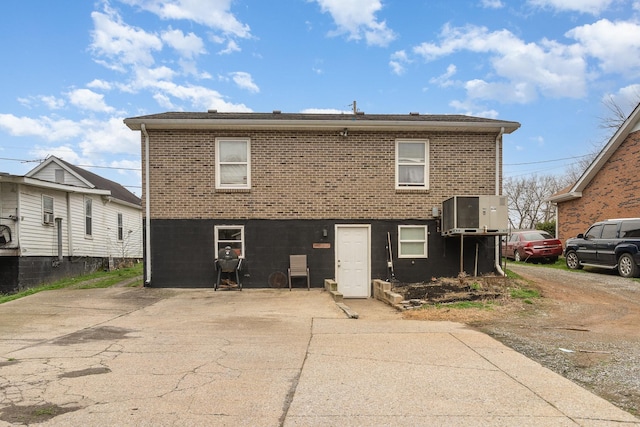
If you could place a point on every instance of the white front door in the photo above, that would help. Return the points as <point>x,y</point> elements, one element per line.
<point>353,254</point>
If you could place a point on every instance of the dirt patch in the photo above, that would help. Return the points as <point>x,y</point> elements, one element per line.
<point>584,327</point>
<point>102,333</point>
<point>448,290</point>
<point>33,414</point>
<point>85,372</point>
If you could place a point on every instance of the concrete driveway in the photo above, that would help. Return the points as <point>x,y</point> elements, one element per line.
<point>176,357</point>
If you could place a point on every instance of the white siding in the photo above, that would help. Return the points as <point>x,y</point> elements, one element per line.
<point>48,173</point>
<point>9,207</point>
<point>131,244</point>
<point>38,239</point>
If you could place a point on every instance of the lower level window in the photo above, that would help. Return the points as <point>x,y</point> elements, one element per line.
<point>230,235</point>
<point>412,241</point>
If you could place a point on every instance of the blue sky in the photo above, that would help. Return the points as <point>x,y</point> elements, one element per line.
<point>72,73</point>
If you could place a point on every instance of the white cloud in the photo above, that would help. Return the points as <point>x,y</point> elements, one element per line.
<point>99,84</point>
<point>64,152</point>
<point>198,97</point>
<point>244,81</point>
<point>214,14</point>
<point>444,80</point>
<point>86,99</point>
<point>125,167</point>
<point>357,19</point>
<point>46,128</point>
<point>594,7</point>
<point>627,98</point>
<point>396,67</point>
<point>52,102</point>
<point>470,109</point>
<point>615,44</point>
<point>398,61</point>
<point>550,68</point>
<point>120,43</point>
<point>109,136</point>
<point>188,46</point>
<point>232,46</point>
<point>492,4</point>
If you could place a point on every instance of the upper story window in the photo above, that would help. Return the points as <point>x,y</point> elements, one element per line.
<point>412,164</point>
<point>88,217</point>
<point>120,228</point>
<point>47,210</point>
<point>412,241</point>
<point>233,163</point>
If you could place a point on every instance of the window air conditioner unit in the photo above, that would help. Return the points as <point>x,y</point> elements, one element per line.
<point>475,215</point>
<point>48,218</point>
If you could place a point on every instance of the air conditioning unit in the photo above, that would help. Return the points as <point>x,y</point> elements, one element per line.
<point>477,215</point>
<point>48,218</point>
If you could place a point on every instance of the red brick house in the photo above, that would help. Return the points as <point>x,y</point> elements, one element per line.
<point>333,187</point>
<point>609,187</point>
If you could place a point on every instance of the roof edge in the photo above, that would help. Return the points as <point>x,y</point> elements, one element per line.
<point>155,123</point>
<point>565,197</point>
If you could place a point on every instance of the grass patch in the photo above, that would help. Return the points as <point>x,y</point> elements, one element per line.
<point>524,294</point>
<point>463,305</point>
<point>99,279</point>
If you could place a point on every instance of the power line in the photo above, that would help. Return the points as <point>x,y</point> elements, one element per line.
<point>548,161</point>
<point>23,160</point>
<point>83,166</point>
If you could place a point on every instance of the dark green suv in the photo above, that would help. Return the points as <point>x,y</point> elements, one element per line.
<point>614,243</point>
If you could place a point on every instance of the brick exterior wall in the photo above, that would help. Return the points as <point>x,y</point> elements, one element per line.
<point>613,193</point>
<point>313,174</point>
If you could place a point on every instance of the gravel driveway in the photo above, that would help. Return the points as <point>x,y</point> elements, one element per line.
<point>586,328</point>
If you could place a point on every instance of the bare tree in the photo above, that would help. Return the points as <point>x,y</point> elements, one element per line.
<point>527,199</point>
<point>611,122</point>
<point>617,112</point>
<point>527,195</point>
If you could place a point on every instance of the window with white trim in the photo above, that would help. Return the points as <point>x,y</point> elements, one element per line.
<point>230,235</point>
<point>412,241</point>
<point>233,163</point>
<point>412,164</point>
<point>88,217</point>
<point>47,210</point>
<point>120,228</point>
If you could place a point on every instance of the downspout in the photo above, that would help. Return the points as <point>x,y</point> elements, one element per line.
<point>69,228</point>
<point>497,238</point>
<point>147,224</point>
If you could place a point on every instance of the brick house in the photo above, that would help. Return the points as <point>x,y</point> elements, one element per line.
<point>608,188</point>
<point>334,187</point>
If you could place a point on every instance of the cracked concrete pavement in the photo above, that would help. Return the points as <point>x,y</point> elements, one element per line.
<point>270,357</point>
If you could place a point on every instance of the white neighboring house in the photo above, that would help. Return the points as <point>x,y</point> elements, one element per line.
<point>60,220</point>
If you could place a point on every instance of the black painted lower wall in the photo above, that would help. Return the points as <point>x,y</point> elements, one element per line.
<point>183,253</point>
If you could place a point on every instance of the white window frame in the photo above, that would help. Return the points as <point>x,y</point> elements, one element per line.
<point>88,217</point>
<point>219,184</point>
<point>424,164</point>
<point>120,227</point>
<point>217,241</point>
<point>47,213</point>
<point>425,252</point>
